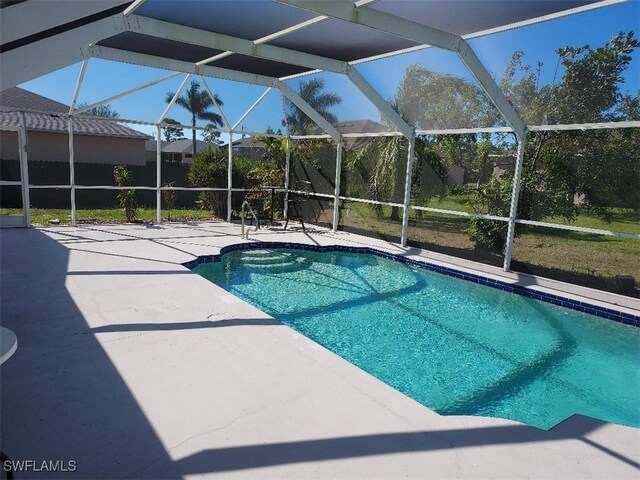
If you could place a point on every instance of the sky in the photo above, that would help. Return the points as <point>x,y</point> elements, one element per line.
<point>538,43</point>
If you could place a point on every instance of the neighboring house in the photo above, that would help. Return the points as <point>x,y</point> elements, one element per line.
<point>181,151</point>
<point>151,150</point>
<point>359,126</point>
<point>247,147</point>
<point>456,175</point>
<point>95,141</point>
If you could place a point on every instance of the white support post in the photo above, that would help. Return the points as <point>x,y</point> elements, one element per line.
<point>24,170</point>
<point>230,177</point>
<point>287,174</point>
<point>407,192</point>
<point>158,175</point>
<point>72,176</point>
<point>513,210</point>
<point>175,97</point>
<point>336,195</point>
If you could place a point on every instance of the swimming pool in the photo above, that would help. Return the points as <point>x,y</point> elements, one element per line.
<point>458,347</point>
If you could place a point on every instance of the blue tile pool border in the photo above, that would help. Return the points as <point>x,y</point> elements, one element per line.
<point>603,312</point>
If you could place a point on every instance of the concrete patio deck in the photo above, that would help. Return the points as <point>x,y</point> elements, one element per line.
<point>131,366</point>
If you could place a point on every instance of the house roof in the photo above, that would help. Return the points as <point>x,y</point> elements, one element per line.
<point>20,99</point>
<point>247,142</point>
<point>359,126</point>
<point>151,145</point>
<point>185,146</point>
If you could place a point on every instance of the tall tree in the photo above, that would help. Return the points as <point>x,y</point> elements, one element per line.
<point>211,135</point>
<point>172,133</point>
<point>600,168</point>
<point>198,103</point>
<point>311,92</point>
<point>105,110</point>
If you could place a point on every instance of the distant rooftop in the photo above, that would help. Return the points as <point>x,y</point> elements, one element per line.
<point>184,145</point>
<point>20,99</point>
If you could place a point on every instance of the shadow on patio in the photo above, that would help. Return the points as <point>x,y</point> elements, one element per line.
<point>64,399</point>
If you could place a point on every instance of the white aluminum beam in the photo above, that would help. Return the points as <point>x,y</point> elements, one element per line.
<point>174,98</point>
<point>128,92</point>
<point>52,53</point>
<point>195,36</point>
<point>251,108</point>
<point>76,92</point>
<point>117,55</point>
<point>215,102</point>
<point>380,21</point>
<point>490,87</point>
<point>298,101</point>
<point>419,33</point>
<point>133,7</point>
<point>372,94</point>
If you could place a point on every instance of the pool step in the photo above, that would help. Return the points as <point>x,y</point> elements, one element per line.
<point>282,263</point>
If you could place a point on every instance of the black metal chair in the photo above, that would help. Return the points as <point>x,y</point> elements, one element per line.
<point>296,200</point>
<point>257,197</point>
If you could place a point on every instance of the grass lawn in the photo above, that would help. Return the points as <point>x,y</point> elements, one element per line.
<point>44,216</point>
<point>585,259</point>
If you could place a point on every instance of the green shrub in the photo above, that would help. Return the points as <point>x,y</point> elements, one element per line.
<point>170,198</point>
<point>209,169</point>
<point>126,198</point>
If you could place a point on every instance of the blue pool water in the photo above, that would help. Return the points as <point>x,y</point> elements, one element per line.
<point>457,347</point>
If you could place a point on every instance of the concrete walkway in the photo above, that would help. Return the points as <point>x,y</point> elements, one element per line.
<point>131,366</point>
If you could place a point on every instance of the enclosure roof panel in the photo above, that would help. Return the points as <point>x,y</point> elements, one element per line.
<point>260,66</point>
<point>160,47</point>
<point>248,19</point>
<point>465,17</point>
<point>342,41</point>
<point>164,29</point>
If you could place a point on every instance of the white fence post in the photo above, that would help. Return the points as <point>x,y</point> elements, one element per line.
<point>72,176</point>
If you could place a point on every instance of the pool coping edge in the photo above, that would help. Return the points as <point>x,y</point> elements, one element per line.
<point>525,291</point>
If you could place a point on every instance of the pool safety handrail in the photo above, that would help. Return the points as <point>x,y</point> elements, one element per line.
<point>244,234</point>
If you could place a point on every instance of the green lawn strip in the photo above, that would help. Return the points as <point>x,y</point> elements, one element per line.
<point>588,259</point>
<point>49,216</point>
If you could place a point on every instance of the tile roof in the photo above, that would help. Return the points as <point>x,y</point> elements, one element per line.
<point>19,98</point>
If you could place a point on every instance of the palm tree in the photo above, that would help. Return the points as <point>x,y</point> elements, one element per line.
<point>198,102</point>
<point>311,92</point>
